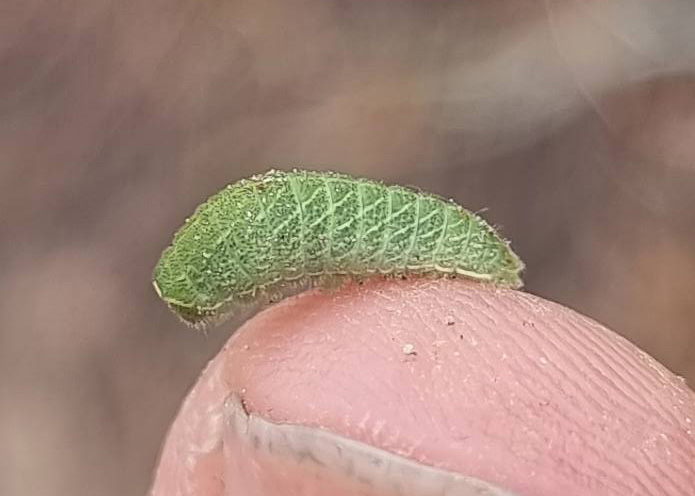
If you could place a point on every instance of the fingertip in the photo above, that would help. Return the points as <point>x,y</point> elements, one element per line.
<point>493,384</point>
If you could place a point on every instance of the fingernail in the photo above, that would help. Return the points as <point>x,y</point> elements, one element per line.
<point>263,456</point>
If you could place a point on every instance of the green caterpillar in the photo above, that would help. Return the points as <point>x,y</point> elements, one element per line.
<point>260,236</point>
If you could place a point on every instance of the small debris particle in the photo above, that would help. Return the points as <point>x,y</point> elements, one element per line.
<point>409,349</point>
<point>244,407</point>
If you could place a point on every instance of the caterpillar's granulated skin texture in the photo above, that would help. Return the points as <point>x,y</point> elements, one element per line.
<point>262,235</point>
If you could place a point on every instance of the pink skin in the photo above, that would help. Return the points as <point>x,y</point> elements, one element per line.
<point>494,384</point>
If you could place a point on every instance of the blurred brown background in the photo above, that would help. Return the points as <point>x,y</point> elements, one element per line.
<point>571,121</point>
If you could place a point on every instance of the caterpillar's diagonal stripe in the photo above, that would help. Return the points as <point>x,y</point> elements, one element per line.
<point>438,246</point>
<point>387,230</point>
<point>300,212</point>
<point>416,230</point>
<point>280,229</point>
<point>225,238</point>
<point>355,252</point>
<point>331,226</point>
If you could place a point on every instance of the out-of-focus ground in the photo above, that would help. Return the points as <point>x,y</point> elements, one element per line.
<point>571,122</point>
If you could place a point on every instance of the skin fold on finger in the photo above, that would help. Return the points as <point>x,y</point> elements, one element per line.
<point>497,385</point>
